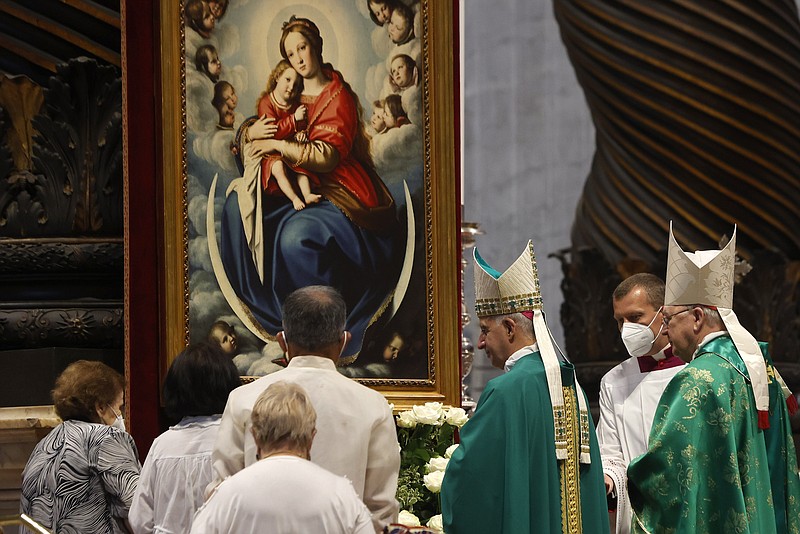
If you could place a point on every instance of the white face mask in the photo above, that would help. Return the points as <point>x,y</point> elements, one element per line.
<point>119,422</point>
<point>638,338</point>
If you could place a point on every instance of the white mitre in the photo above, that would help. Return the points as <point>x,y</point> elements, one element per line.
<point>706,277</point>
<point>515,291</point>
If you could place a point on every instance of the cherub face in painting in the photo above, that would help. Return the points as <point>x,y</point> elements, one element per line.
<point>381,10</point>
<point>393,348</point>
<point>226,340</point>
<point>389,120</point>
<point>209,20</point>
<point>377,120</point>
<point>398,27</point>
<point>217,7</point>
<point>286,86</point>
<point>229,95</point>
<point>214,65</point>
<point>226,116</point>
<point>402,73</point>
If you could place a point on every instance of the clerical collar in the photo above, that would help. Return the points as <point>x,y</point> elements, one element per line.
<point>514,358</point>
<point>707,339</point>
<point>662,360</point>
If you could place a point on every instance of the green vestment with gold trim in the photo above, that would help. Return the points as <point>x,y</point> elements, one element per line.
<point>706,469</point>
<point>504,477</point>
<point>781,456</point>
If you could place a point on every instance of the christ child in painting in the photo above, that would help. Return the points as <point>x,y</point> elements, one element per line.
<point>281,102</point>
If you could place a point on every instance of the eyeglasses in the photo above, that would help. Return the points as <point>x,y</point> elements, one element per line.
<point>667,318</point>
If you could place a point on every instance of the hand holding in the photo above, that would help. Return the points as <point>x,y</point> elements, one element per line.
<point>263,128</point>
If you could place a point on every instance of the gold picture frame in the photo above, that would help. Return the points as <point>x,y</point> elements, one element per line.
<point>438,244</point>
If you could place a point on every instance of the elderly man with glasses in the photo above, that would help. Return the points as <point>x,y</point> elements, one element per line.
<point>720,456</point>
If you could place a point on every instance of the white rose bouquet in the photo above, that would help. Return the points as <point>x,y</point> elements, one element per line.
<point>426,435</point>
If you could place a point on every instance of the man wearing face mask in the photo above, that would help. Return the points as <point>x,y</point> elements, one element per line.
<point>629,392</point>
<point>356,434</point>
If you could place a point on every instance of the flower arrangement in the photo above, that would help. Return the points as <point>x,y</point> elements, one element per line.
<point>426,435</point>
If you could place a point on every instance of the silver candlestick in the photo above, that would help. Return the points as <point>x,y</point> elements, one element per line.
<point>468,232</point>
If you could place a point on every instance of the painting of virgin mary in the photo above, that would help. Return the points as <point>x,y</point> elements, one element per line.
<point>359,237</point>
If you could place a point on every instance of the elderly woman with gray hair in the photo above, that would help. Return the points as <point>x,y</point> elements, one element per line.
<point>283,489</point>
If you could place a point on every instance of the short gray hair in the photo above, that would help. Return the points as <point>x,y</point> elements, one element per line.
<point>313,317</point>
<point>712,316</point>
<point>522,322</point>
<point>283,417</point>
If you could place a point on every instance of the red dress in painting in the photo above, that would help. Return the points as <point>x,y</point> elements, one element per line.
<point>349,181</point>
<point>287,127</point>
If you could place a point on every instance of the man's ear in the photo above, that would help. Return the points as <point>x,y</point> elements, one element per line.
<point>100,409</point>
<point>510,327</point>
<point>699,319</point>
<point>347,337</point>
<point>282,341</point>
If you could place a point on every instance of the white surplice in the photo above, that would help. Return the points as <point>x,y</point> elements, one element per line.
<point>284,495</point>
<point>628,402</point>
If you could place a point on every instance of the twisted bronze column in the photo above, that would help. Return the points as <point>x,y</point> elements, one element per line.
<point>697,112</point>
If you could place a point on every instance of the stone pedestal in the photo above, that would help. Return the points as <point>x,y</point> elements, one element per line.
<point>20,430</point>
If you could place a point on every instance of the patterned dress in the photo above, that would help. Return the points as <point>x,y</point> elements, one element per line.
<point>81,478</point>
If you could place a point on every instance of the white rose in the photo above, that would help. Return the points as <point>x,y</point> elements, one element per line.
<point>433,481</point>
<point>450,450</point>
<point>429,414</point>
<point>408,519</point>
<point>438,406</point>
<point>435,523</point>
<point>456,417</point>
<point>406,419</point>
<point>436,464</point>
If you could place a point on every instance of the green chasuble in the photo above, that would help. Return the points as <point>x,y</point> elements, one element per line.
<point>504,477</point>
<point>706,468</point>
<point>780,454</point>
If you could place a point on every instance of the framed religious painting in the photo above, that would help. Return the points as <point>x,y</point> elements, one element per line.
<point>314,143</point>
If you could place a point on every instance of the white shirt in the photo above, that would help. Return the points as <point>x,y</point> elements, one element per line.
<point>284,495</point>
<point>356,434</point>
<point>174,477</point>
<point>514,358</point>
<point>628,402</point>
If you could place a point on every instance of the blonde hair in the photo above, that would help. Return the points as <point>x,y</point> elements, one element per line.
<point>272,82</point>
<point>283,418</point>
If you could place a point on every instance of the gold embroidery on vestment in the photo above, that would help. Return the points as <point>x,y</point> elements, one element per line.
<point>569,469</point>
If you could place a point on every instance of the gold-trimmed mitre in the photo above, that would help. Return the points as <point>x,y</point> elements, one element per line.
<point>701,277</point>
<point>706,277</point>
<point>513,291</point>
<point>517,290</point>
